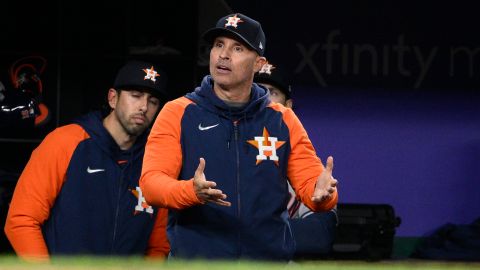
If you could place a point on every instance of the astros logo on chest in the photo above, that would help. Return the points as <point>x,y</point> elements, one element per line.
<point>142,205</point>
<point>267,147</point>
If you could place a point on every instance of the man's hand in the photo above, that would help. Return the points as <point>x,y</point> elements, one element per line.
<point>326,184</point>
<point>205,189</point>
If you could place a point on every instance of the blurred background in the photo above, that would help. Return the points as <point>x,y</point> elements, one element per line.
<point>391,89</point>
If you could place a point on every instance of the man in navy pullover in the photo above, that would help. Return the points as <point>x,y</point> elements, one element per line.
<point>229,131</point>
<point>79,192</point>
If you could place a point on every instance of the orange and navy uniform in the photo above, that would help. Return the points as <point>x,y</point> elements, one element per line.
<point>79,194</point>
<point>249,152</point>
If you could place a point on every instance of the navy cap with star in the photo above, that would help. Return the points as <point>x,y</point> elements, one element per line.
<point>271,74</point>
<point>140,75</point>
<point>246,29</point>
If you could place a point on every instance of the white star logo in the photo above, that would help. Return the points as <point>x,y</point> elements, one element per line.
<point>267,68</point>
<point>260,46</point>
<point>233,21</point>
<point>150,74</point>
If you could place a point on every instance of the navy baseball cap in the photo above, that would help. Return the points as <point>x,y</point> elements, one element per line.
<point>143,76</point>
<point>241,26</point>
<point>271,74</point>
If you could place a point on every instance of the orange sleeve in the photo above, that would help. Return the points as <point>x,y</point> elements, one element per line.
<point>37,189</point>
<point>163,160</point>
<point>158,245</point>
<point>304,166</point>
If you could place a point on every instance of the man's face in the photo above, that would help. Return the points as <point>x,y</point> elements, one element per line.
<point>232,64</point>
<point>134,110</point>
<point>276,95</point>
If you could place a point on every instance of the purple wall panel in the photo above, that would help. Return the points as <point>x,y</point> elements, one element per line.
<point>417,152</point>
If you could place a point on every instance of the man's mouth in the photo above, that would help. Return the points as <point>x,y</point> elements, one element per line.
<point>139,119</point>
<point>223,69</point>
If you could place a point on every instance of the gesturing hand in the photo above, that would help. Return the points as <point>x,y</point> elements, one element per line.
<point>326,184</point>
<point>205,189</point>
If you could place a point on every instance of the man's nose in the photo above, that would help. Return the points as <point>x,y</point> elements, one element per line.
<point>144,104</point>
<point>224,53</point>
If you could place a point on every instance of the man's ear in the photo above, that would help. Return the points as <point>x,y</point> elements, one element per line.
<point>112,98</point>
<point>289,103</point>
<point>259,62</point>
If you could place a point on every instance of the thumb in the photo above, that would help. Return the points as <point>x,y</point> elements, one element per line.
<point>329,164</point>
<point>201,167</point>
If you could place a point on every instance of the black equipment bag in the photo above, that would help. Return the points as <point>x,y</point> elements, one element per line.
<point>365,231</point>
<point>451,242</point>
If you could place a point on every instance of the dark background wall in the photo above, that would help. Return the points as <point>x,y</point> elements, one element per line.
<point>84,45</point>
<point>390,89</point>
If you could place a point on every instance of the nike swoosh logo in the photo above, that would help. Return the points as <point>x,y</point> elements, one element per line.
<point>205,128</point>
<point>94,170</point>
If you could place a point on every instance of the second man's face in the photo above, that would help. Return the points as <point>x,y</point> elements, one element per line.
<point>232,64</point>
<point>136,110</point>
<point>275,94</point>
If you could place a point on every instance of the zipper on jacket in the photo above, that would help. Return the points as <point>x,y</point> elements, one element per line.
<point>117,210</point>
<point>235,129</point>
<point>237,152</point>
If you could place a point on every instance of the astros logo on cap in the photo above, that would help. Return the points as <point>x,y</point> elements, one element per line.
<point>267,68</point>
<point>151,74</point>
<point>233,21</point>
<point>267,147</point>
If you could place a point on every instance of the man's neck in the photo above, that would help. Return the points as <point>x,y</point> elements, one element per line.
<point>234,95</point>
<point>123,140</point>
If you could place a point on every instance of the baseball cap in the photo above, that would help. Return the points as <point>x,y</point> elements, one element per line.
<point>240,26</point>
<point>139,75</point>
<point>272,75</point>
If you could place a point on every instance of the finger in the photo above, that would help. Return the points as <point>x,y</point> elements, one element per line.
<point>222,202</point>
<point>208,184</point>
<point>318,195</point>
<point>334,182</point>
<point>318,199</point>
<point>330,164</point>
<point>201,167</point>
<point>214,192</point>
<point>321,198</point>
<point>318,192</point>
<point>204,185</point>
